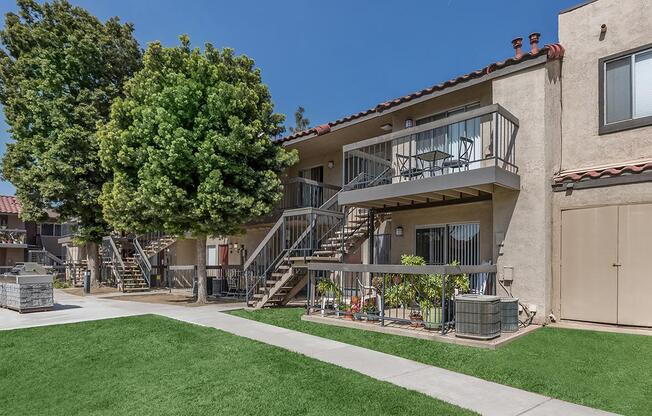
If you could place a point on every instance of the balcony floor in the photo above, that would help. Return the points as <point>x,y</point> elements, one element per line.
<point>453,186</point>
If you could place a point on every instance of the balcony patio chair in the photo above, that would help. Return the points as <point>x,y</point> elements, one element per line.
<point>464,152</point>
<point>232,286</point>
<point>408,170</point>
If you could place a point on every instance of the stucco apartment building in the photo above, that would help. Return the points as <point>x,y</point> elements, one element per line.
<point>19,240</point>
<point>538,164</point>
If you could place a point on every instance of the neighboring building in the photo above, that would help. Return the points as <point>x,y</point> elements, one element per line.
<point>13,233</point>
<point>537,164</point>
<point>602,210</point>
<point>27,241</point>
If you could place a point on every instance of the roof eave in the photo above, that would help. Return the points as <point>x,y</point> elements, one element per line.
<point>520,66</point>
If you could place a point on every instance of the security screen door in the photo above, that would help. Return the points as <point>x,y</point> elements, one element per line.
<point>606,273</point>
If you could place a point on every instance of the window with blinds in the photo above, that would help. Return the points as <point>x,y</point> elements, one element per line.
<point>626,89</point>
<point>444,244</point>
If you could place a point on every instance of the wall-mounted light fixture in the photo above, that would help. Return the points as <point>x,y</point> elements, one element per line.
<point>386,127</point>
<point>398,231</point>
<point>331,164</point>
<point>409,123</point>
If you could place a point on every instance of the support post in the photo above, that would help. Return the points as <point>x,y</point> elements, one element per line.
<point>443,305</point>
<point>370,232</point>
<point>382,302</point>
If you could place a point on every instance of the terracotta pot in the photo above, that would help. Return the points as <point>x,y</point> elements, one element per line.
<point>416,321</point>
<point>348,316</point>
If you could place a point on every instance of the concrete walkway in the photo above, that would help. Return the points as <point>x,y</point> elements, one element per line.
<point>472,393</point>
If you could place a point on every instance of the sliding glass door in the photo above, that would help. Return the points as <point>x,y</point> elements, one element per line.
<point>448,243</point>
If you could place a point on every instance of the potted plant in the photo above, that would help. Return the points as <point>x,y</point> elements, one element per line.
<point>341,310</point>
<point>369,309</point>
<point>326,288</point>
<point>355,309</point>
<point>348,313</point>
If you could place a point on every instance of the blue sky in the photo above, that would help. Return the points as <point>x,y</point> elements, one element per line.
<point>338,57</point>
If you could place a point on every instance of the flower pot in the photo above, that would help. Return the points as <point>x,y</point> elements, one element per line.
<point>348,316</point>
<point>416,320</point>
<point>357,316</point>
<point>372,317</point>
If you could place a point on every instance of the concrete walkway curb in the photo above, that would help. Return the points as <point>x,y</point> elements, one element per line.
<point>469,392</point>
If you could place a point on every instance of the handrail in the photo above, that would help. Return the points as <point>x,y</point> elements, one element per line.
<point>47,254</point>
<point>457,118</point>
<point>114,251</point>
<point>401,269</point>
<point>143,262</point>
<point>263,243</point>
<point>298,179</point>
<point>115,257</point>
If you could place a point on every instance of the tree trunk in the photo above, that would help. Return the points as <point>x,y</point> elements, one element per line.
<point>202,295</point>
<point>93,264</point>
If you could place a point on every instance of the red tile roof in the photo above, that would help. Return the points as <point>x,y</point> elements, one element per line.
<point>9,205</point>
<point>580,175</point>
<point>553,51</point>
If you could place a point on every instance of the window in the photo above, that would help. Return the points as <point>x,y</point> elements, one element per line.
<point>50,229</point>
<point>626,90</point>
<point>447,113</point>
<point>444,244</point>
<point>211,255</point>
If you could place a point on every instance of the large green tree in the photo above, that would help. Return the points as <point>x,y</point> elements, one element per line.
<point>60,69</point>
<point>189,147</point>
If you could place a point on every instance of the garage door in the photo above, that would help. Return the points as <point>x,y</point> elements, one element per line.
<point>606,265</point>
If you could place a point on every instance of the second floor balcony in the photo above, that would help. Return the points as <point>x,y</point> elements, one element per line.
<point>300,193</point>
<point>461,155</point>
<point>13,238</point>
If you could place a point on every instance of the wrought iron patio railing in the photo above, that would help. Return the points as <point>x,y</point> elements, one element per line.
<point>404,295</point>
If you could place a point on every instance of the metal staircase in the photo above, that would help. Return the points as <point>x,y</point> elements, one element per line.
<point>126,259</point>
<point>276,271</point>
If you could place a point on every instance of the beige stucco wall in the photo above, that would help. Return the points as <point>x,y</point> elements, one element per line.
<point>183,252</point>
<point>477,212</point>
<point>313,158</point>
<point>11,256</point>
<point>629,25</point>
<point>14,223</point>
<point>522,219</point>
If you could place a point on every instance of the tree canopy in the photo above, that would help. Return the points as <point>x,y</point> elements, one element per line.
<point>60,70</point>
<point>301,123</point>
<point>189,144</point>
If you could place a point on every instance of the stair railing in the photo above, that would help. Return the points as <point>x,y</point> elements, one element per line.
<point>111,253</point>
<point>143,262</point>
<point>294,234</point>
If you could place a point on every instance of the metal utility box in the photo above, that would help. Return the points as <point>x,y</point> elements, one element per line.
<point>477,316</point>
<point>508,314</point>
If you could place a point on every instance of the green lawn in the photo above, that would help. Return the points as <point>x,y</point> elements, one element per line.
<point>603,370</point>
<point>151,365</point>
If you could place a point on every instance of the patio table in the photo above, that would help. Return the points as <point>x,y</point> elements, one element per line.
<point>434,156</point>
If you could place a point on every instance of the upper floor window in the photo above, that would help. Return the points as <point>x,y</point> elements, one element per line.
<point>448,113</point>
<point>626,90</point>
<point>50,229</point>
